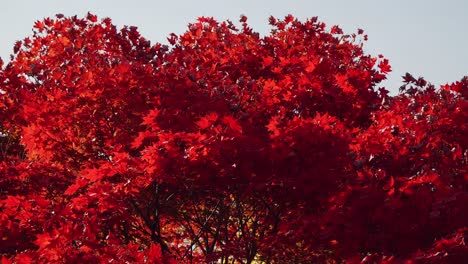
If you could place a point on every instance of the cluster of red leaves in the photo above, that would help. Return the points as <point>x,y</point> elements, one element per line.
<point>225,146</point>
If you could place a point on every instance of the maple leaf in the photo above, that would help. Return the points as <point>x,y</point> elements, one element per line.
<point>154,253</point>
<point>41,201</point>
<point>44,240</point>
<point>310,66</point>
<point>123,68</point>
<point>6,260</point>
<point>138,141</point>
<point>12,202</point>
<point>91,17</point>
<point>39,25</point>
<point>243,19</point>
<point>273,127</point>
<point>342,81</point>
<point>384,66</point>
<point>79,183</point>
<point>95,174</point>
<point>150,119</point>
<point>23,258</point>
<point>232,123</point>
<point>289,18</point>
<point>17,46</point>
<point>336,30</point>
<point>207,121</point>
<point>267,61</point>
<point>65,41</point>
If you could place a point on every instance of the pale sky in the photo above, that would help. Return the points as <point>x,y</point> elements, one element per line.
<point>426,38</point>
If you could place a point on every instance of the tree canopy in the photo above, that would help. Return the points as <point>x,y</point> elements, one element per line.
<point>225,146</point>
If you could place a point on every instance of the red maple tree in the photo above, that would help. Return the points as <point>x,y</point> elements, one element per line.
<point>225,147</point>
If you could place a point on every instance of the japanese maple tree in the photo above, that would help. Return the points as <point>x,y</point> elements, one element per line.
<point>225,147</point>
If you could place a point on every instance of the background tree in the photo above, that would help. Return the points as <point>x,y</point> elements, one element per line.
<point>225,146</point>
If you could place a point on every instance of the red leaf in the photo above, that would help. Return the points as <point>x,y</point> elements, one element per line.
<point>138,141</point>
<point>342,81</point>
<point>43,240</point>
<point>273,127</point>
<point>91,17</point>
<point>207,120</point>
<point>17,46</point>
<point>310,66</point>
<point>243,19</point>
<point>336,30</point>
<point>39,25</point>
<point>23,258</point>
<point>384,66</point>
<point>12,202</point>
<point>232,123</point>
<point>5,260</point>
<point>95,174</point>
<point>65,41</point>
<point>154,253</point>
<point>267,61</point>
<point>74,187</point>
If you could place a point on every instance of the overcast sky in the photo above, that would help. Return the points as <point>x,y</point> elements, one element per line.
<point>426,38</point>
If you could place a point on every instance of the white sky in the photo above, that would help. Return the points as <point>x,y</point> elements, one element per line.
<point>426,38</point>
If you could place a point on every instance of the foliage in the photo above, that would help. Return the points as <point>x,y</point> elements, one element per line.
<point>227,147</point>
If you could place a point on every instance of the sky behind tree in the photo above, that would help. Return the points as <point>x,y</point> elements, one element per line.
<point>425,38</point>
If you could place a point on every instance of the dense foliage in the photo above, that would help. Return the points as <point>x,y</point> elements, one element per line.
<point>225,146</point>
